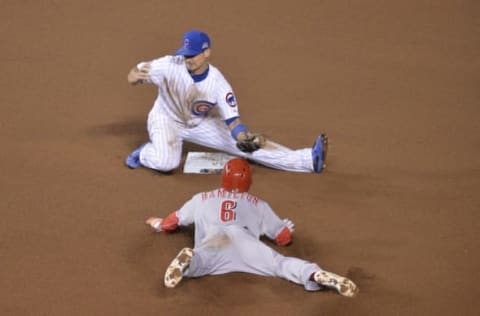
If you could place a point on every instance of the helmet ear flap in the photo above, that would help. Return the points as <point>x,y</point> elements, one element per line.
<point>236,175</point>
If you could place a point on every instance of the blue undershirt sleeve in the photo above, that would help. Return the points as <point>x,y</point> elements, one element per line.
<point>230,120</point>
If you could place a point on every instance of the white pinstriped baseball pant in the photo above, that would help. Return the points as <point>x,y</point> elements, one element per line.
<point>164,151</point>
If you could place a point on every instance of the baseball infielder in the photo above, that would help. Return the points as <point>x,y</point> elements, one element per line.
<point>195,103</point>
<point>228,224</point>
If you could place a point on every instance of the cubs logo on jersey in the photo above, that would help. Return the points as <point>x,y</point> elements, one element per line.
<point>201,108</point>
<point>230,98</point>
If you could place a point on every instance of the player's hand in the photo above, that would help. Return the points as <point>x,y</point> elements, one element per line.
<point>155,223</point>
<point>290,225</point>
<point>139,74</point>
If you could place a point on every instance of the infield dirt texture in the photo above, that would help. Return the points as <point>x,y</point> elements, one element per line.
<point>394,84</point>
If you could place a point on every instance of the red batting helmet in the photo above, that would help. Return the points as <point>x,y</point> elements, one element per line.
<point>236,175</point>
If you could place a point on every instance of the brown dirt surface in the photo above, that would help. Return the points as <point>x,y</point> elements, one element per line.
<point>394,84</point>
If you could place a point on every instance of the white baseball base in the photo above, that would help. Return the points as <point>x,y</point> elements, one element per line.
<point>205,162</point>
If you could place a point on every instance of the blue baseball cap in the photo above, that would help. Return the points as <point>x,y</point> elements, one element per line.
<point>194,43</point>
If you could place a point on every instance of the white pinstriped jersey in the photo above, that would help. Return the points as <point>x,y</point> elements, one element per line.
<point>212,211</point>
<point>196,111</point>
<point>187,101</point>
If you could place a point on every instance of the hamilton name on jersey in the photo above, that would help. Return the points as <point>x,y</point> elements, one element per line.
<point>221,193</point>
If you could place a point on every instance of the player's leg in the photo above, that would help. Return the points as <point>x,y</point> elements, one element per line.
<point>245,253</point>
<point>278,156</point>
<point>266,261</point>
<point>215,134</point>
<point>164,150</point>
<point>260,261</point>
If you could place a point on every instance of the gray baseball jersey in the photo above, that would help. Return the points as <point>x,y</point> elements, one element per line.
<point>228,227</point>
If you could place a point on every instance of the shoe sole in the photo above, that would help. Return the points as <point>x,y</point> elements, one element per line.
<point>324,153</point>
<point>342,285</point>
<point>174,273</point>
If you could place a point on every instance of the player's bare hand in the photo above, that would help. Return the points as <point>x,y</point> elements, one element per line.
<point>139,74</point>
<point>155,223</point>
<point>290,225</point>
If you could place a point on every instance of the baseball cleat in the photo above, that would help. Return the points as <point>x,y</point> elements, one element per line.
<point>319,153</point>
<point>341,284</point>
<point>174,273</point>
<point>133,160</point>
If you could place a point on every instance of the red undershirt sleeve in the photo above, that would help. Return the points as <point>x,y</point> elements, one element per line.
<point>284,237</point>
<point>170,223</point>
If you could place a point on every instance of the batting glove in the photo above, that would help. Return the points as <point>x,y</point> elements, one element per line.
<point>155,223</point>
<point>290,225</point>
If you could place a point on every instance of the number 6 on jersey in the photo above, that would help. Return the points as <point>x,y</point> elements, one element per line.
<point>227,213</point>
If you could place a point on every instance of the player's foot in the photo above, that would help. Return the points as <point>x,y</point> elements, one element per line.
<point>174,273</point>
<point>133,160</point>
<point>319,153</point>
<point>341,284</point>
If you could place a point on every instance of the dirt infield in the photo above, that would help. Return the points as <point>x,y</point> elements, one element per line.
<point>394,86</point>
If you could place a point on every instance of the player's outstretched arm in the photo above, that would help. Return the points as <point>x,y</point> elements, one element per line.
<point>167,224</point>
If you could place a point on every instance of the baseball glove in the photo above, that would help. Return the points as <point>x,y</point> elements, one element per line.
<point>251,143</point>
